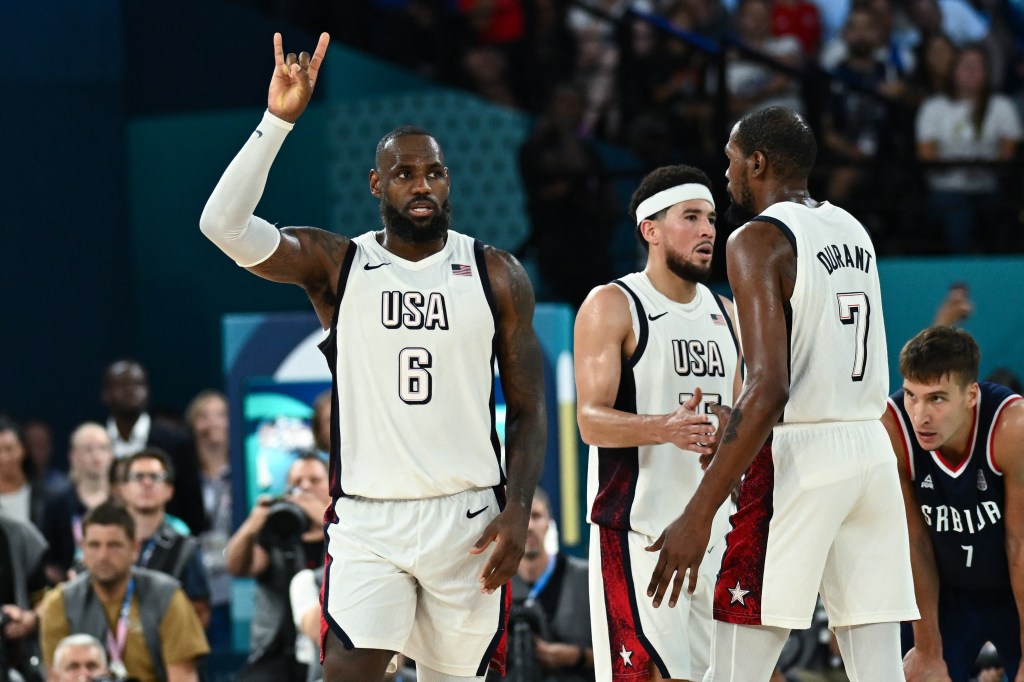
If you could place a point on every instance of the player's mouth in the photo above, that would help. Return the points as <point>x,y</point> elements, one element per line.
<point>421,209</point>
<point>705,250</point>
<point>926,438</point>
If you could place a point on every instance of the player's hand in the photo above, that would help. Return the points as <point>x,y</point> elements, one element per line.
<point>722,413</point>
<point>294,79</point>
<point>682,545</point>
<point>555,655</point>
<point>689,430</point>
<point>921,667</point>
<point>507,531</point>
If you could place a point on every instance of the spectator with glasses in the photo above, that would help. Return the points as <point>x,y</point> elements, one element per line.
<point>147,487</point>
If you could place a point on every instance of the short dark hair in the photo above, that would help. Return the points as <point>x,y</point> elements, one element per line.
<point>110,513</point>
<point>199,399</point>
<point>149,453</point>
<point>401,131</point>
<point>659,180</point>
<point>783,136</point>
<point>941,351</point>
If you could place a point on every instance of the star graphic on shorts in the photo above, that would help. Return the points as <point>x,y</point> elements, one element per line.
<point>626,655</point>
<point>738,594</point>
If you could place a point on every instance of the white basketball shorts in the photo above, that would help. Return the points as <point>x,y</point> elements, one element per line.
<point>820,510</point>
<point>399,577</point>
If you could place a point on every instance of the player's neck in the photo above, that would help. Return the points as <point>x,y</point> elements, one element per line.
<point>669,284</point>
<point>408,250</point>
<point>778,192</point>
<point>958,446</point>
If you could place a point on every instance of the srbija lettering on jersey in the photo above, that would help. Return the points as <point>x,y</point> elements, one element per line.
<point>839,370</point>
<point>963,506</point>
<point>411,353</point>
<point>680,347</point>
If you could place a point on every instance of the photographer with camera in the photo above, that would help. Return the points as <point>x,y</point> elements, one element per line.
<point>80,658</point>
<point>549,625</point>
<point>280,537</point>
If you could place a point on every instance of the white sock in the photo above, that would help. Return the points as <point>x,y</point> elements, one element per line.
<point>871,652</point>
<point>744,653</point>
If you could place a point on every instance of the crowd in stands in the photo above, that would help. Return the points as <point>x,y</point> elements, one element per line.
<point>916,103</point>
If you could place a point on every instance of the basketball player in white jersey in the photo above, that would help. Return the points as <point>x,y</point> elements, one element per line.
<point>820,507</point>
<point>654,351</point>
<point>415,316</point>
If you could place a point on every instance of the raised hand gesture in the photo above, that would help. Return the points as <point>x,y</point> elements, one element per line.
<point>294,79</point>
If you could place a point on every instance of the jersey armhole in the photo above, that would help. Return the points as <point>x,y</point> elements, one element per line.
<point>908,454</point>
<point>783,227</point>
<point>641,341</point>
<point>990,453</point>
<point>346,268</point>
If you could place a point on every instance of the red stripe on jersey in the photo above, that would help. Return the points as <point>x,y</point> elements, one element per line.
<point>630,660</point>
<point>495,660</point>
<point>741,580</point>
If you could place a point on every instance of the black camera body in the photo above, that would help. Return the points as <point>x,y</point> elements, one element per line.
<point>285,522</point>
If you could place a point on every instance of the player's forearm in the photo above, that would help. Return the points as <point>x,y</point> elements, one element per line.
<point>525,442</point>
<point>607,427</point>
<point>927,636</point>
<point>1015,560</point>
<point>228,219</point>
<point>750,424</point>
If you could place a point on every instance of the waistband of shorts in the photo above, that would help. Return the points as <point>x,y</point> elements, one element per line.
<point>804,427</point>
<point>360,498</point>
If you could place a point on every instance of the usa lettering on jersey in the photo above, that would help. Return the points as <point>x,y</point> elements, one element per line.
<point>695,358</point>
<point>413,310</point>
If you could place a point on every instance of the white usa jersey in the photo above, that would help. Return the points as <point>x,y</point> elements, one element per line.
<point>680,347</point>
<point>411,353</point>
<point>839,369</point>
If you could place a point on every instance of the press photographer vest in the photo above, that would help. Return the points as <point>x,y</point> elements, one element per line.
<point>153,593</point>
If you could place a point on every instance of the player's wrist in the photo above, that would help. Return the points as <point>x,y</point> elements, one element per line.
<point>276,121</point>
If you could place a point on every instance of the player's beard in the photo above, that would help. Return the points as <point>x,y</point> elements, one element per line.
<point>741,210</point>
<point>684,269</point>
<point>412,231</point>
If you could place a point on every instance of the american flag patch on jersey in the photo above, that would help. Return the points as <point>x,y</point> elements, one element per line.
<point>718,319</point>
<point>462,270</point>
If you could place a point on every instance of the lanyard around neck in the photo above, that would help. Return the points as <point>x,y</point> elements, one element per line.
<point>542,581</point>
<point>116,646</point>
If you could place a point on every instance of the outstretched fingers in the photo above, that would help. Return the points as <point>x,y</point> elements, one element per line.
<point>318,58</point>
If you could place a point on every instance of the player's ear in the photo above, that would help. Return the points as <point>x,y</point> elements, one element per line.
<point>375,183</point>
<point>972,395</point>
<point>758,162</point>
<point>649,230</point>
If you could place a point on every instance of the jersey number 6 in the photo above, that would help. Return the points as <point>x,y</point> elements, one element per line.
<point>414,381</point>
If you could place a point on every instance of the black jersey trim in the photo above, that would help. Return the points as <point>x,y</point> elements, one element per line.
<point>485,278</point>
<point>788,233</point>
<point>346,267</point>
<point>720,300</point>
<point>641,316</point>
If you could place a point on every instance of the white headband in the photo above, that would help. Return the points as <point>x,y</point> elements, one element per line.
<point>671,197</point>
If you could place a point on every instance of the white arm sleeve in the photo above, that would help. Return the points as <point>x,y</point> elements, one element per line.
<point>228,219</point>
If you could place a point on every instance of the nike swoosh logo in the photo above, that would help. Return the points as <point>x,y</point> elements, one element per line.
<point>374,267</point>
<point>259,133</point>
<point>652,318</point>
<point>478,512</point>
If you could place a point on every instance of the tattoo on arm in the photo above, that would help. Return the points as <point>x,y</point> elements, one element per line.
<point>734,423</point>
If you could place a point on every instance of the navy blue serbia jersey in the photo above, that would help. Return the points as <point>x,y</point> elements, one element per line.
<point>963,504</point>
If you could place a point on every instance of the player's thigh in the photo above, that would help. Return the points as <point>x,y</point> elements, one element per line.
<point>867,578</point>
<point>458,629</point>
<point>968,619</point>
<point>781,534</point>
<point>629,634</point>
<point>369,594</point>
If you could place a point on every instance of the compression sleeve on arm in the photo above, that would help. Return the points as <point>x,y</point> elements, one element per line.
<point>228,219</point>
